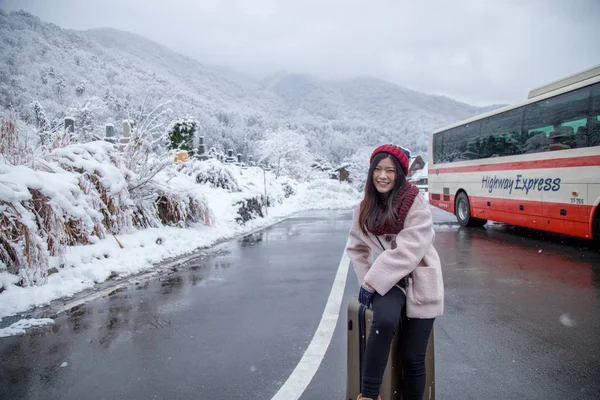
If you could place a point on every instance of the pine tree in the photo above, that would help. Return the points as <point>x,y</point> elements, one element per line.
<point>84,123</point>
<point>181,135</point>
<point>39,116</point>
<point>41,122</point>
<point>59,86</point>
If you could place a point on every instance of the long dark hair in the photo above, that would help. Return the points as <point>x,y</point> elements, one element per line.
<point>374,202</point>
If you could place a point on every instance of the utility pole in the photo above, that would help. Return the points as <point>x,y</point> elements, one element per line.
<point>266,198</point>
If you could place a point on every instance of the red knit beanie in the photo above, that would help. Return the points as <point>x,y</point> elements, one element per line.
<point>397,152</point>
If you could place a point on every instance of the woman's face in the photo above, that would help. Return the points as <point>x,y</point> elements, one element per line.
<point>384,176</point>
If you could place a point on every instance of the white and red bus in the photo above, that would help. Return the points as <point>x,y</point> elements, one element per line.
<point>534,164</point>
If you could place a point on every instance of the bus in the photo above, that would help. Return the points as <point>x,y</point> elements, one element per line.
<point>535,164</point>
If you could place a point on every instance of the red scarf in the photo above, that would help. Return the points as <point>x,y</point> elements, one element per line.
<point>402,203</point>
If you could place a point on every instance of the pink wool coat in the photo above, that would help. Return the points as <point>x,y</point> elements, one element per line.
<point>413,253</point>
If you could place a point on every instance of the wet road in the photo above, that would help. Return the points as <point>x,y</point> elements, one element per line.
<point>522,321</point>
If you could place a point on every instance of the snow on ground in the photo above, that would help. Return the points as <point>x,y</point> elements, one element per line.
<point>18,328</point>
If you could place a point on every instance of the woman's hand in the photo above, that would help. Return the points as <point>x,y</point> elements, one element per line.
<point>365,295</point>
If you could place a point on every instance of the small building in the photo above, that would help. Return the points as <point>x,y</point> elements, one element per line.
<point>420,178</point>
<point>342,174</point>
<point>415,164</point>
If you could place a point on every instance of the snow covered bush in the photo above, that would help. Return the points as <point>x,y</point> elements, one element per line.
<point>77,195</point>
<point>288,190</point>
<point>172,198</point>
<point>165,206</point>
<point>15,147</point>
<point>22,252</point>
<point>251,208</point>
<point>181,209</point>
<point>213,172</point>
<point>102,179</point>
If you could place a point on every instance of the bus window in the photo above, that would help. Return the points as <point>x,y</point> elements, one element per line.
<point>438,148</point>
<point>468,141</point>
<point>446,146</point>
<point>580,132</point>
<point>557,118</point>
<point>501,134</point>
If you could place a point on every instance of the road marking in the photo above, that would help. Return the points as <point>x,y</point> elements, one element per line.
<point>298,381</point>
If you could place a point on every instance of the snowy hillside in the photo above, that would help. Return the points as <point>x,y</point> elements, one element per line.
<point>379,109</point>
<point>113,74</point>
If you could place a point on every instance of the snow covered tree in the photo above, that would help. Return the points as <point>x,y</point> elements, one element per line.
<point>41,122</point>
<point>181,135</point>
<point>80,88</point>
<point>139,154</point>
<point>285,146</point>
<point>59,86</point>
<point>358,166</point>
<point>84,123</point>
<point>39,115</point>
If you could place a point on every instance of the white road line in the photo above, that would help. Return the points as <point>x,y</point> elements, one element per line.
<point>298,381</point>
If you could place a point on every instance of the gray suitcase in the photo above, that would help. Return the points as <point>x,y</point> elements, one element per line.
<point>359,325</point>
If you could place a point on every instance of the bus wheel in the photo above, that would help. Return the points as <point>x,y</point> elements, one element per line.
<point>463,212</point>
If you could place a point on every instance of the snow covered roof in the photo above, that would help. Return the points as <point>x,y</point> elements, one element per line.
<point>420,174</point>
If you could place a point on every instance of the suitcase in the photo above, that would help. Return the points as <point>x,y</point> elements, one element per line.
<point>359,325</point>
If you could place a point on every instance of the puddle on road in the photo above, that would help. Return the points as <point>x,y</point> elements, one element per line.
<point>252,239</point>
<point>170,284</point>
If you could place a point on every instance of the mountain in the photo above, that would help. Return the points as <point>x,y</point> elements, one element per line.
<point>371,100</point>
<point>109,75</point>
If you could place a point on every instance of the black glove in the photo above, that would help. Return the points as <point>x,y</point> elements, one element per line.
<point>365,296</point>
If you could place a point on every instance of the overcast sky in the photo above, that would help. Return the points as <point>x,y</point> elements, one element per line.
<point>477,51</point>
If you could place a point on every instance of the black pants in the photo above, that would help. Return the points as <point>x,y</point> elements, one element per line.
<point>387,314</point>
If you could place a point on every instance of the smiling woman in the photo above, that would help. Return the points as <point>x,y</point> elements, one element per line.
<point>404,284</point>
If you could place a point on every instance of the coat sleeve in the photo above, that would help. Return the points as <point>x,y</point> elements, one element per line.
<point>358,251</point>
<point>412,242</point>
